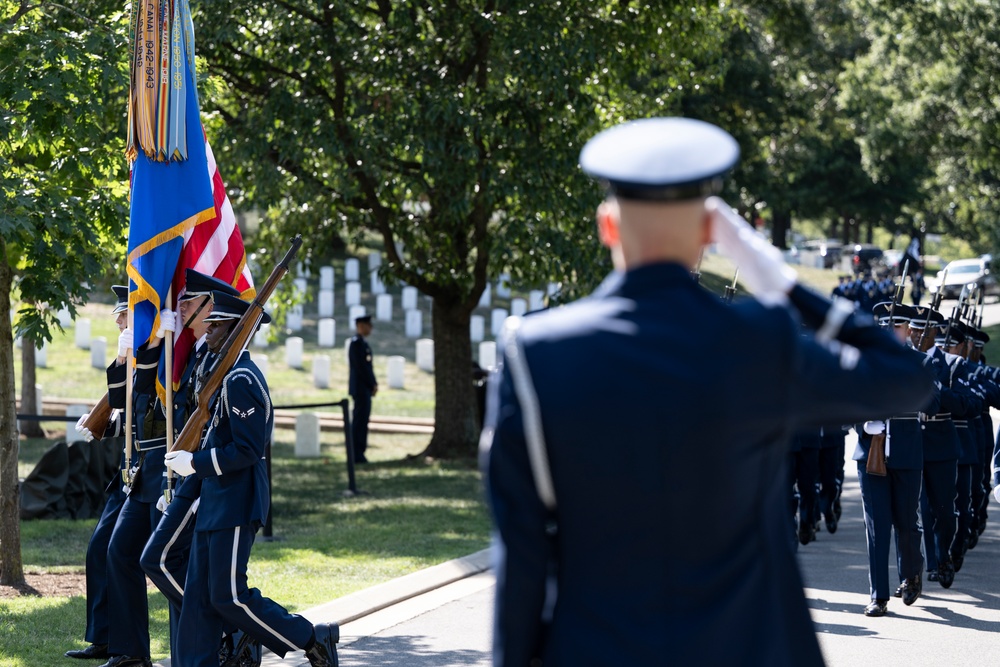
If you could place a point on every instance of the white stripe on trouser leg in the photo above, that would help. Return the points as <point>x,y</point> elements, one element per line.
<point>236,598</point>
<point>173,538</point>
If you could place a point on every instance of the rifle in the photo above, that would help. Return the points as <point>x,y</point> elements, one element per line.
<point>237,340</point>
<point>731,289</point>
<point>954,312</point>
<point>876,464</point>
<point>696,274</point>
<point>897,297</point>
<point>99,417</point>
<point>935,304</point>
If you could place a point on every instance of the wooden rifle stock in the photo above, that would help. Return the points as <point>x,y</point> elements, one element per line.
<point>190,437</point>
<point>99,417</point>
<point>876,456</point>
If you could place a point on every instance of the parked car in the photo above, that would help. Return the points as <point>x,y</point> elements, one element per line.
<point>962,272</point>
<point>828,250</point>
<point>867,258</point>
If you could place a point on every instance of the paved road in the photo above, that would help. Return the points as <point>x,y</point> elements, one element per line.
<point>450,626</point>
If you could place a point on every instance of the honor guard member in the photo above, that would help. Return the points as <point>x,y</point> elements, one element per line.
<point>989,391</point>
<point>892,501</point>
<point>940,439</point>
<point>97,549</point>
<point>805,475</point>
<point>731,596</point>
<point>951,339</point>
<point>165,558</point>
<point>234,503</point>
<point>831,473</point>
<point>128,639</point>
<point>362,385</point>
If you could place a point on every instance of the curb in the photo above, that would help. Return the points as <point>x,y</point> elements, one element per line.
<point>370,600</point>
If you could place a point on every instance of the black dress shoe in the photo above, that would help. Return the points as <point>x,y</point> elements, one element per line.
<point>932,575</point>
<point>92,652</point>
<point>836,508</point>
<point>831,525</point>
<point>958,557</point>
<point>898,593</point>
<point>946,573</point>
<point>912,588</point>
<point>877,608</point>
<point>807,532</point>
<point>128,661</point>
<point>973,540</point>
<point>323,652</point>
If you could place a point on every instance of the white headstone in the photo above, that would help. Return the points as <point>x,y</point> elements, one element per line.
<point>41,355</point>
<point>82,334</point>
<point>395,365</point>
<point>352,295</point>
<point>488,355</point>
<point>326,277</point>
<point>293,352</point>
<point>321,371</point>
<point>307,435</point>
<point>351,269</point>
<point>414,324</point>
<point>261,361</point>
<point>425,354</point>
<point>374,260</point>
<point>301,270</point>
<point>378,287</point>
<point>484,300</point>
<point>17,342</point>
<point>354,314</point>
<point>260,336</point>
<point>74,411</point>
<point>409,298</point>
<point>383,308</point>
<point>503,286</point>
<point>518,307</point>
<point>294,318</point>
<point>301,285</point>
<point>327,332</point>
<point>497,317</point>
<point>325,304</point>
<point>477,326</point>
<point>536,299</point>
<point>553,289</point>
<point>65,319</point>
<point>98,348</point>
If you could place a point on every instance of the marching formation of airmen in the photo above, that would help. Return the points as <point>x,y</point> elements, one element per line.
<point>928,478</point>
<point>194,541</point>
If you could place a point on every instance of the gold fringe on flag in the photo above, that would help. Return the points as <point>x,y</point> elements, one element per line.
<point>161,68</point>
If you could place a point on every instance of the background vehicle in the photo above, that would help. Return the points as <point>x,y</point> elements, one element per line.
<point>964,272</point>
<point>821,254</point>
<point>867,257</point>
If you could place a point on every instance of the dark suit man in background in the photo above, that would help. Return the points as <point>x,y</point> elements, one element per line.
<point>361,386</point>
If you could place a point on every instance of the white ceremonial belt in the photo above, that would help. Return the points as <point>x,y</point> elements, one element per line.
<point>152,443</point>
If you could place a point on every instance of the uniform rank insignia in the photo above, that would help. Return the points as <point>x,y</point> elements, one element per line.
<point>243,415</point>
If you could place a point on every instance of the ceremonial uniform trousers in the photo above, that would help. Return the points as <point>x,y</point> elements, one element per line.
<point>165,556</point>
<point>361,384</point>
<point>892,502</point>
<point>234,504</point>
<point>127,596</point>
<point>97,564</point>
<point>831,469</point>
<point>729,593</point>
<point>805,474</point>
<point>983,426</point>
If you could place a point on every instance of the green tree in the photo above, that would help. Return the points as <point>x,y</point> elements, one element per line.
<point>451,129</point>
<point>62,188</point>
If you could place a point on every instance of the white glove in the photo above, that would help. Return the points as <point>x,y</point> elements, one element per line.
<point>762,267</point>
<point>161,504</point>
<point>83,430</point>
<point>180,462</point>
<point>124,342</point>
<point>996,493</point>
<point>168,322</point>
<point>875,427</point>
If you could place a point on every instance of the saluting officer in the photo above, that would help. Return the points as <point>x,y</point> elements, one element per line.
<point>165,557</point>
<point>234,503</point>
<point>712,596</point>
<point>97,549</point>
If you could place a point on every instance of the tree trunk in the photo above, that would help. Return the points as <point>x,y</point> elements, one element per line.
<point>781,222</point>
<point>456,434</point>
<point>29,397</point>
<point>11,567</point>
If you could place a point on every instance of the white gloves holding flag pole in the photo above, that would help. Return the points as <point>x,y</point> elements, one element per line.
<point>762,267</point>
<point>168,322</point>
<point>124,342</point>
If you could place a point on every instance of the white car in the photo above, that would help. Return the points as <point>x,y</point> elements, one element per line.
<point>962,272</point>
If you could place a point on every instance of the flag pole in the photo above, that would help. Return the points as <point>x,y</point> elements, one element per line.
<point>129,371</point>
<point>168,408</point>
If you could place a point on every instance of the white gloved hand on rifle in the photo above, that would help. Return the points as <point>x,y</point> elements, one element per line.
<point>82,429</point>
<point>168,322</point>
<point>124,342</point>
<point>161,504</point>
<point>996,493</point>
<point>762,267</point>
<point>874,427</point>
<point>180,462</point>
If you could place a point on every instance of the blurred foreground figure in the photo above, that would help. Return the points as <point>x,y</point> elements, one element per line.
<point>605,438</point>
